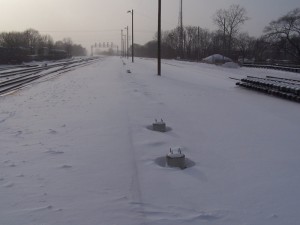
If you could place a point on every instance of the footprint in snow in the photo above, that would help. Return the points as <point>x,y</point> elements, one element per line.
<point>49,207</point>
<point>155,143</point>
<point>65,167</point>
<point>18,133</point>
<point>54,152</point>
<point>5,116</point>
<point>58,210</point>
<point>8,185</point>
<point>52,131</point>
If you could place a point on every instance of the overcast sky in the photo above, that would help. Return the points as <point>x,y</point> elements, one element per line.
<point>90,21</point>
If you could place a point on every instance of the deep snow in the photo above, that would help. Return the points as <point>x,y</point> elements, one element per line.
<point>76,149</point>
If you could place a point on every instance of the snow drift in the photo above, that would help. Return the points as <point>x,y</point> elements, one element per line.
<point>217,58</point>
<point>231,65</point>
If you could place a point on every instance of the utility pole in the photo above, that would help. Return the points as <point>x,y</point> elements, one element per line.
<point>127,43</point>
<point>198,55</point>
<point>224,40</point>
<point>125,53</point>
<point>132,44</point>
<point>159,40</point>
<point>180,25</point>
<point>122,46</point>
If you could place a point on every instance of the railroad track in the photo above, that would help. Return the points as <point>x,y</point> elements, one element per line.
<point>13,80</point>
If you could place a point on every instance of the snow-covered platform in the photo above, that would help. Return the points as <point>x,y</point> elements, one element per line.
<point>76,149</point>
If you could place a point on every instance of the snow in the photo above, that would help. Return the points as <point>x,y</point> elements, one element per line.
<point>231,65</point>
<point>76,149</point>
<point>216,58</point>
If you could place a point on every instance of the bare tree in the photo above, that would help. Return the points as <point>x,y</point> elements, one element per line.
<point>72,49</point>
<point>245,45</point>
<point>205,42</point>
<point>47,41</point>
<point>229,22</point>
<point>32,39</point>
<point>191,41</point>
<point>11,39</point>
<point>286,28</point>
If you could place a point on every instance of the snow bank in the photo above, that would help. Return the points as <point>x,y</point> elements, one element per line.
<point>217,58</point>
<point>231,65</point>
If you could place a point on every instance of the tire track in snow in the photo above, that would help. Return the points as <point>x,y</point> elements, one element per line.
<point>135,182</point>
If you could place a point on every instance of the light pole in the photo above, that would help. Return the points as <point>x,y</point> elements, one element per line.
<point>124,40</point>
<point>132,47</point>
<point>198,51</point>
<point>122,44</point>
<point>159,40</point>
<point>127,43</point>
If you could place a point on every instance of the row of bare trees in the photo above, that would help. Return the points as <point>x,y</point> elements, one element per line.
<point>280,41</point>
<point>33,40</point>
<point>284,34</point>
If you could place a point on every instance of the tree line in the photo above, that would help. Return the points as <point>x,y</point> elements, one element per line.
<point>33,40</point>
<point>280,41</point>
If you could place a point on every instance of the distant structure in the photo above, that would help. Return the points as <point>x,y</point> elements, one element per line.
<point>180,29</point>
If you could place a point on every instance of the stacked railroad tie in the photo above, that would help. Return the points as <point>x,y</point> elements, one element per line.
<point>291,68</point>
<point>281,87</point>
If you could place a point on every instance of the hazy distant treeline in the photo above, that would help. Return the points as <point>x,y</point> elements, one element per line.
<point>34,40</point>
<point>280,41</point>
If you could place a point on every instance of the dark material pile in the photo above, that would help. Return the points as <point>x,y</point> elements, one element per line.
<point>281,87</point>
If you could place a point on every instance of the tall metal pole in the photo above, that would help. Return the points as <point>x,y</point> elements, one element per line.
<point>180,24</point>
<point>159,40</point>
<point>127,43</point>
<point>198,52</point>
<point>132,44</point>
<point>125,53</point>
<point>122,47</point>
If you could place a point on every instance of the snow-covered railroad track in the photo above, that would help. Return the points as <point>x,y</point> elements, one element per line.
<point>16,79</point>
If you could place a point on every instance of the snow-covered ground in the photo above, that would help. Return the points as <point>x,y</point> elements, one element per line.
<point>76,149</point>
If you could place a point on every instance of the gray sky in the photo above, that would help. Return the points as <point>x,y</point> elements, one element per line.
<point>90,21</point>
